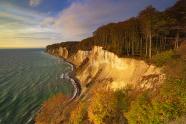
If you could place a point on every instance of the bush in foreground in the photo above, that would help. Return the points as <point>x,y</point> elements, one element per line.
<point>168,105</point>
<point>78,114</point>
<point>51,110</point>
<point>105,108</point>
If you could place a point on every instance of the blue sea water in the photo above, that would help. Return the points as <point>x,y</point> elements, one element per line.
<point>27,78</point>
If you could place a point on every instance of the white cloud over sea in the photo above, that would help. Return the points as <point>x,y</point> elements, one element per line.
<point>21,27</point>
<point>36,23</point>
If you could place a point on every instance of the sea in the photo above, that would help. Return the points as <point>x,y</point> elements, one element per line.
<point>28,77</point>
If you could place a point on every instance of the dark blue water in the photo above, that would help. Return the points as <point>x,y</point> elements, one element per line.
<point>27,78</point>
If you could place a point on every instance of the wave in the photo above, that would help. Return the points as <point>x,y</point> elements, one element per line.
<point>70,78</point>
<point>27,79</point>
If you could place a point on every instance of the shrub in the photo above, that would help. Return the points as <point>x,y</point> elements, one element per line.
<point>79,114</point>
<point>162,58</point>
<point>103,107</point>
<point>122,100</point>
<point>51,109</point>
<point>168,105</point>
<point>140,111</point>
<point>173,91</point>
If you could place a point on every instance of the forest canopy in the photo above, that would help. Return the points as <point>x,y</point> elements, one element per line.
<point>147,34</point>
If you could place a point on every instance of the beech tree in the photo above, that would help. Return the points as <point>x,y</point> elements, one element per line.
<point>148,20</point>
<point>145,35</point>
<point>178,14</point>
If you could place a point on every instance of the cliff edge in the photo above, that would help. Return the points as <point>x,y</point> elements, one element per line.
<point>101,66</point>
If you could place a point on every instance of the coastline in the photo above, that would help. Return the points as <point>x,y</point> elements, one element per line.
<point>71,77</point>
<point>75,82</point>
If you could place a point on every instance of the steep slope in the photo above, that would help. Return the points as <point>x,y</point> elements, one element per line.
<point>98,65</point>
<point>148,96</point>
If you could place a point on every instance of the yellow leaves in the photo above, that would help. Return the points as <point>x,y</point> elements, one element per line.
<point>103,107</point>
<point>79,114</point>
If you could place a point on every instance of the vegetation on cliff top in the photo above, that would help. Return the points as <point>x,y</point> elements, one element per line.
<point>147,34</point>
<point>160,105</point>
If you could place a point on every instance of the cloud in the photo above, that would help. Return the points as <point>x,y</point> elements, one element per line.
<point>34,2</point>
<point>48,21</point>
<point>20,27</point>
<point>82,17</point>
<point>14,12</point>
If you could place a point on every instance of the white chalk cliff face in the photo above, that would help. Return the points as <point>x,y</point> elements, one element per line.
<point>101,66</point>
<point>63,52</point>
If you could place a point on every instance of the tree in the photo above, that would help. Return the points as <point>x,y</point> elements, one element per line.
<point>145,35</point>
<point>148,20</point>
<point>78,114</point>
<point>178,14</point>
<point>103,108</point>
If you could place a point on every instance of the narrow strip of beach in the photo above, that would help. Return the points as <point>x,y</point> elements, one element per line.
<point>72,78</point>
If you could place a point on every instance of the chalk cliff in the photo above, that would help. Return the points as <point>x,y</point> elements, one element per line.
<point>101,66</point>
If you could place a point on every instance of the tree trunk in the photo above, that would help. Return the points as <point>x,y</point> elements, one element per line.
<point>132,44</point>
<point>176,40</point>
<point>141,47</point>
<point>146,46</point>
<point>164,45</point>
<point>157,40</point>
<point>150,46</point>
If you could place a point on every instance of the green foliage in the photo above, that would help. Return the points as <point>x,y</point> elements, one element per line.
<point>140,112</point>
<point>103,107</point>
<point>162,58</point>
<point>169,105</point>
<point>122,100</point>
<point>174,89</point>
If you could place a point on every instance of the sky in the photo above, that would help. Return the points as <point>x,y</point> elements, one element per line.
<point>37,23</point>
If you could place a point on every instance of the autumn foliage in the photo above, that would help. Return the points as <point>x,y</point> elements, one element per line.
<point>50,111</point>
<point>103,108</point>
<point>151,34</point>
<point>79,114</point>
